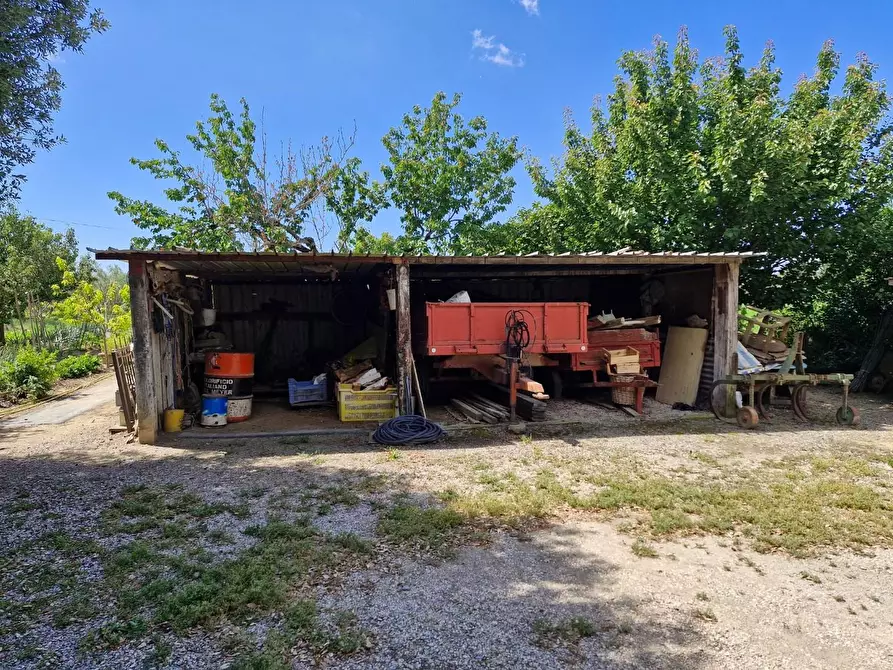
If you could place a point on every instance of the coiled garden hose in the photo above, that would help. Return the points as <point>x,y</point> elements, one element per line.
<point>409,429</point>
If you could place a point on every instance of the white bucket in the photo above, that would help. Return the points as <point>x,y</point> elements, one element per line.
<point>392,299</point>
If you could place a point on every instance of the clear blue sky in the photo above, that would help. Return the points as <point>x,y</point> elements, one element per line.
<point>313,67</point>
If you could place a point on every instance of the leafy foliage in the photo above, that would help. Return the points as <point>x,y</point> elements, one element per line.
<point>29,375</point>
<point>99,307</point>
<point>32,257</point>
<point>238,203</point>
<point>448,178</point>
<point>30,87</point>
<point>711,156</point>
<point>74,367</point>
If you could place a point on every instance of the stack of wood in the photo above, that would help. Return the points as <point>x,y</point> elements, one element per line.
<point>478,409</point>
<point>527,407</point>
<point>610,322</point>
<point>362,377</point>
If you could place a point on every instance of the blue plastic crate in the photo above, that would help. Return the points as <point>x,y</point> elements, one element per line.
<point>300,393</point>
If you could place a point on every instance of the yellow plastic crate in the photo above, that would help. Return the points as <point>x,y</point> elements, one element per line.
<point>366,405</point>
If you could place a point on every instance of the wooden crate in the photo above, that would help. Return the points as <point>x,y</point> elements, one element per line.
<point>624,361</point>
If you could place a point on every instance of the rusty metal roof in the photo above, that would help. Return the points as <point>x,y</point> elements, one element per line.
<point>328,263</point>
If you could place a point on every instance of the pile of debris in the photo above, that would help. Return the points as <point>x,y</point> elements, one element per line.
<point>763,335</point>
<point>607,321</point>
<point>362,376</point>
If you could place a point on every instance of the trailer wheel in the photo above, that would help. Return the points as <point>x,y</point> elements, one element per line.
<point>747,417</point>
<point>848,416</point>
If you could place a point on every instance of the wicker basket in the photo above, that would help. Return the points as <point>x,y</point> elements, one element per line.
<point>623,395</point>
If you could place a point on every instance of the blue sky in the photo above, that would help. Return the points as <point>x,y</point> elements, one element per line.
<point>313,67</point>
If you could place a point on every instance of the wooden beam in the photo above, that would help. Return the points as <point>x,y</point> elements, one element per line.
<point>141,318</point>
<point>725,327</point>
<point>404,341</point>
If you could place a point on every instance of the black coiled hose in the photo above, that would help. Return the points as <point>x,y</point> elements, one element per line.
<point>408,429</point>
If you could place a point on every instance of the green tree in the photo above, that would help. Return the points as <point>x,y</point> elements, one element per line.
<point>29,273</point>
<point>31,34</point>
<point>99,307</point>
<point>710,155</point>
<point>242,201</point>
<point>448,178</point>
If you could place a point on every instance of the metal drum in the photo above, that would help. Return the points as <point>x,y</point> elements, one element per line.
<point>238,409</point>
<point>213,410</point>
<point>229,374</point>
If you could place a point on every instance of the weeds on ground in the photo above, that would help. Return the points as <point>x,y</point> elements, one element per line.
<point>643,549</point>
<point>810,577</point>
<point>431,527</point>
<point>568,631</point>
<point>303,627</point>
<point>778,506</point>
<point>705,614</point>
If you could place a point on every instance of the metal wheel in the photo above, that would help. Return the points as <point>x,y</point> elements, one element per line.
<point>848,416</point>
<point>747,417</point>
<point>718,400</point>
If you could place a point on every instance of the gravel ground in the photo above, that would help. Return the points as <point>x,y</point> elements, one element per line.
<point>704,602</point>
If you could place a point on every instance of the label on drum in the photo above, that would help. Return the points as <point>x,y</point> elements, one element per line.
<point>227,386</point>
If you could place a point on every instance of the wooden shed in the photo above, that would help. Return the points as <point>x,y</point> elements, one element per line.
<point>294,310</point>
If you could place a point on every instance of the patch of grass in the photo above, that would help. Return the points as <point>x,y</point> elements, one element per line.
<point>185,591</point>
<point>527,439</point>
<point>20,506</point>
<point>781,505</point>
<point>431,527</point>
<point>700,595</point>
<point>809,577</point>
<point>254,492</point>
<point>705,614</point>
<point>393,454</point>
<point>643,550</point>
<point>840,599</point>
<point>706,459</point>
<point>333,495</point>
<point>750,563</point>
<point>112,635</point>
<point>303,627</point>
<point>569,631</point>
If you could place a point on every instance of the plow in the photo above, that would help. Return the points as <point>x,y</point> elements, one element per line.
<point>759,390</point>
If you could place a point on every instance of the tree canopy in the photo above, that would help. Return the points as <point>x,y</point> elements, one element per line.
<point>711,155</point>
<point>31,35</point>
<point>243,201</point>
<point>449,178</point>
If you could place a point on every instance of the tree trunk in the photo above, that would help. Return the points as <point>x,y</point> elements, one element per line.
<point>883,333</point>
<point>2,334</point>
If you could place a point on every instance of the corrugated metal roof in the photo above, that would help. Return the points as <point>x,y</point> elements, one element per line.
<point>323,264</point>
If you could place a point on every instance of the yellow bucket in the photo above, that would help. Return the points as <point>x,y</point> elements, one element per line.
<point>173,420</point>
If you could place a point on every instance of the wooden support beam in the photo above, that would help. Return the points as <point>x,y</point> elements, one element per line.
<point>725,327</point>
<point>141,318</point>
<point>404,341</point>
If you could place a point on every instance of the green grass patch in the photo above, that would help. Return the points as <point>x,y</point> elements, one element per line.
<point>832,502</point>
<point>430,527</point>
<point>643,550</point>
<point>569,631</point>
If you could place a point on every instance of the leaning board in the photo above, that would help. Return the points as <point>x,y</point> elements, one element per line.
<point>680,368</point>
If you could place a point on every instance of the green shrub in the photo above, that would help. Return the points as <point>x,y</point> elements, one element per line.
<point>29,375</point>
<point>73,367</point>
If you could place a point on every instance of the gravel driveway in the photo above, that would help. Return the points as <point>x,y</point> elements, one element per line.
<point>634,545</point>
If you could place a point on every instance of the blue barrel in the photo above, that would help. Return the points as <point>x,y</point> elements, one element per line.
<point>213,410</point>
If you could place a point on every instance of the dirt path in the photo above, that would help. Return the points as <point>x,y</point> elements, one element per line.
<point>63,409</point>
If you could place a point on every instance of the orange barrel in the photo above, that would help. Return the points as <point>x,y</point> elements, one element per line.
<point>238,409</point>
<point>229,374</point>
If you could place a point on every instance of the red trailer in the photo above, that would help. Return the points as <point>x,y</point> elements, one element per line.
<point>457,328</point>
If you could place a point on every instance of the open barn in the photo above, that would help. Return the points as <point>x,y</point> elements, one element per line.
<point>308,320</point>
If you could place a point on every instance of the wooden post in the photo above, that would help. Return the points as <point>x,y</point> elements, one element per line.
<point>404,341</point>
<point>725,326</point>
<point>141,317</point>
